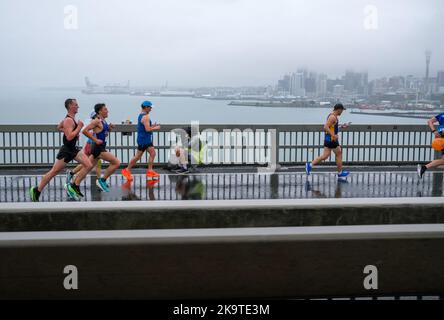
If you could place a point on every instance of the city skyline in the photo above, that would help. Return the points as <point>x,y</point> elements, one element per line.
<point>438,76</point>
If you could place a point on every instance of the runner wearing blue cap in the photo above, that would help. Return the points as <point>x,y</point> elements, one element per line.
<point>145,129</point>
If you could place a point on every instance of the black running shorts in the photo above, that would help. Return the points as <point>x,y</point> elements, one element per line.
<point>67,154</point>
<point>144,147</point>
<point>331,144</point>
<point>97,149</point>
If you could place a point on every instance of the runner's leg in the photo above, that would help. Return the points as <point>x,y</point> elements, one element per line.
<point>86,167</point>
<point>77,169</point>
<point>435,163</point>
<point>135,159</point>
<point>324,156</point>
<point>114,163</point>
<point>152,153</point>
<point>338,153</point>
<point>58,166</point>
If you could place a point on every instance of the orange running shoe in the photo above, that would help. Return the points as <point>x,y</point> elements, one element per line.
<point>127,174</point>
<point>127,185</point>
<point>152,174</point>
<point>152,183</point>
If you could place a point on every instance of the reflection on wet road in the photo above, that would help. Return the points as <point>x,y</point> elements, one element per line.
<point>224,186</point>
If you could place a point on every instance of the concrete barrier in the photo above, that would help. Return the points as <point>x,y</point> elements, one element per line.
<point>224,263</point>
<point>209,249</point>
<point>65,216</point>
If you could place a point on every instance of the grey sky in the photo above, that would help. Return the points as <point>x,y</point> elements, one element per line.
<point>213,42</point>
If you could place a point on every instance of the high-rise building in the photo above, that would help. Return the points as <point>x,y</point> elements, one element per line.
<point>440,78</point>
<point>297,84</point>
<point>379,86</point>
<point>304,72</point>
<point>333,82</point>
<point>338,90</point>
<point>321,85</point>
<point>310,83</point>
<point>428,54</point>
<point>363,84</point>
<point>356,82</point>
<point>396,83</point>
<point>284,84</point>
<point>350,83</point>
<point>440,82</point>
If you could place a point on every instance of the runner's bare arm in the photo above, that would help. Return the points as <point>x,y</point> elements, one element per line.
<point>90,127</point>
<point>68,128</point>
<point>146,123</point>
<point>330,122</point>
<point>60,126</point>
<point>345,125</point>
<point>431,122</point>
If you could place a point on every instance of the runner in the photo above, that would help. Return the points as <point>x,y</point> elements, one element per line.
<point>145,130</point>
<point>439,133</point>
<point>331,142</point>
<point>101,129</point>
<point>86,150</point>
<point>67,153</point>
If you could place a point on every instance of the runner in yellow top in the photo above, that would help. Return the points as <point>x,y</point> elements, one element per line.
<point>331,142</point>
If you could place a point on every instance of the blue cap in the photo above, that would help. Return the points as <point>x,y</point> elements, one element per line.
<point>146,103</point>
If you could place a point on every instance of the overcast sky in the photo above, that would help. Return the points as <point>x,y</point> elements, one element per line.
<point>213,42</point>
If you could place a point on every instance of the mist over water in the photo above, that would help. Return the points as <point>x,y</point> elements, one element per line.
<point>213,43</point>
<point>36,106</point>
<point>199,43</point>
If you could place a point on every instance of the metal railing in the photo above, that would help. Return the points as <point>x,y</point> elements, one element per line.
<point>37,145</point>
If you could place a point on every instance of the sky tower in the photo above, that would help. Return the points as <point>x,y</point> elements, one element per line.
<point>428,54</point>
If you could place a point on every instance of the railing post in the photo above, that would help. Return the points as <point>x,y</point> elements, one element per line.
<point>272,151</point>
<point>276,150</point>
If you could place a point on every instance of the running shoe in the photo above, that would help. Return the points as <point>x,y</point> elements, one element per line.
<point>182,171</point>
<point>76,188</point>
<point>343,174</point>
<point>308,168</point>
<point>174,168</point>
<point>127,185</point>
<point>152,174</point>
<point>101,183</point>
<point>127,174</point>
<point>35,194</point>
<point>69,176</point>
<point>151,183</point>
<point>421,169</point>
<point>72,194</point>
